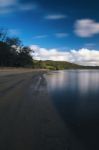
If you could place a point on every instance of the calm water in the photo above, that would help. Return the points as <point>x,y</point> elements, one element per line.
<point>75,93</point>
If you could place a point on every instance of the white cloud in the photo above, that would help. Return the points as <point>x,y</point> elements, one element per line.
<point>55,16</point>
<point>9,6</point>
<point>58,35</point>
<point>86,28</point>
<point>28,6</point>
<point>61,35</point>
<point>5,3</point>
<point>82,56</point>
<point>14,32</point>
<point>89,45</point>
<point>40,36</point>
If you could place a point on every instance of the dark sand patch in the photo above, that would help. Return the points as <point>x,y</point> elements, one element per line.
<point>28,119</point>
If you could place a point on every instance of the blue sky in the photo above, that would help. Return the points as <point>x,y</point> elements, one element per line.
<point>60,24</point>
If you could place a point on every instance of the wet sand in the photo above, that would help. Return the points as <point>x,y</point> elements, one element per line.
<point>28,119</point>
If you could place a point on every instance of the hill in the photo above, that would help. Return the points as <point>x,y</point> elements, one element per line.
<point>56,65</point>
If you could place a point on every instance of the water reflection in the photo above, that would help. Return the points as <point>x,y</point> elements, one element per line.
<point>75,94</point>
<point>83,80</point>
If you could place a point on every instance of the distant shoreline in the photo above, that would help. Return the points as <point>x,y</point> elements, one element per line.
<point>4,71</point>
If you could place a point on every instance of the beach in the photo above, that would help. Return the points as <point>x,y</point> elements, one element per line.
<point>28,118</point>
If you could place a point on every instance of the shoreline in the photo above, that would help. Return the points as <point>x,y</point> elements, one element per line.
<point>28,117</point>
<point>14,71</point>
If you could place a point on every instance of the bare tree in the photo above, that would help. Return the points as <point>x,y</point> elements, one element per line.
<point>3,34</point>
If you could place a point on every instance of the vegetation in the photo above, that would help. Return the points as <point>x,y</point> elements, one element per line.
<point>56,65</point>
<point>60,65</point>
<point>13,53</point>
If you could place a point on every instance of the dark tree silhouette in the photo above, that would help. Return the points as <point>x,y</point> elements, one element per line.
<point>24,57</point>
<point>13,53</point>
<point>3,34</point>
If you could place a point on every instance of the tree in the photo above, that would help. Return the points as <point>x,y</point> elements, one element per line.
<point>5,54</point>
<point>24,57</point>
<point>12,52</point>
<point>14,41</point>
<point>3,34</point>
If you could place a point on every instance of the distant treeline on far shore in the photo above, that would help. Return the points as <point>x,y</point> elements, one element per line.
<point>60,65</point>
<point>14,54</point>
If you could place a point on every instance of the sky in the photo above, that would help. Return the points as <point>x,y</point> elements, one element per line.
<point>64,30</point>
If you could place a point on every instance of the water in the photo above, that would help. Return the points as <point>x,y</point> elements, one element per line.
<point>75,94</point>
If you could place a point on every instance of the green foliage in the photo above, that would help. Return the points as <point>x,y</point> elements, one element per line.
<point>55,65</point>
<point>24,58</point>
<point>12,53</point>
<point>13,41</point>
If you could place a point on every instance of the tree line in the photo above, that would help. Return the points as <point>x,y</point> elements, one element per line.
<point>14,54</point>
<point>12,51</point>
<point>56,65</point>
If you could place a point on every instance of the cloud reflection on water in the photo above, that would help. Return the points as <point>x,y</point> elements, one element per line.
<point>81,80</point>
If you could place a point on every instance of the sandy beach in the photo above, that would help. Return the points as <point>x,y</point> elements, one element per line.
<point>28,119</point>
